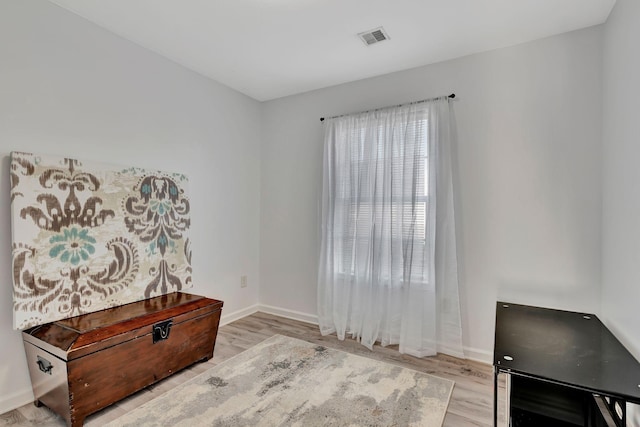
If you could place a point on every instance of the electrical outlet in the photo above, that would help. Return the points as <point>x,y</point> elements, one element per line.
<point>243,281</point>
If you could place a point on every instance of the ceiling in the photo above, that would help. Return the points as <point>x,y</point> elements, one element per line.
<point>268,49</point>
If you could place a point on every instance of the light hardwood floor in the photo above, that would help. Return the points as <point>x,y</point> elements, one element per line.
<point>471,402</point>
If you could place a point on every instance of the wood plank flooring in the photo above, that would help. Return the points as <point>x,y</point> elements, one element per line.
<point>471,402</point>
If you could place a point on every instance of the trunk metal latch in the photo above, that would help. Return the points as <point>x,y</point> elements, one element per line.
<point>161,330</point>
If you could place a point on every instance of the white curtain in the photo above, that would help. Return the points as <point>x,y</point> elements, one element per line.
<point>388,267</point>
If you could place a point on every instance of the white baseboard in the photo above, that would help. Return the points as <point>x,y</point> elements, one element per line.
<point>16,400</point>
<point>289,314</point>
<point>227,318</point>
<point>477,355</point>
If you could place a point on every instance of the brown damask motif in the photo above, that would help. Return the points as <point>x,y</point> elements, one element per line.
<point>58,215</point>
<point>30,294</point>
<point>91,236</point>
<point>187,254</point>
<point>164,280</point>
<point>159,213</point>
<point>20,166</point>
<point>120,272</point>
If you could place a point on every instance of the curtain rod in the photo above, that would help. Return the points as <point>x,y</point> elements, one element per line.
<point>453,95</point>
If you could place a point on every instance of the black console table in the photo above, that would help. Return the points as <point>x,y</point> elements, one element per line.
<point>562,369</point>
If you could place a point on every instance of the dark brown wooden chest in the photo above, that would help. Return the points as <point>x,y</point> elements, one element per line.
<point>83,364</point>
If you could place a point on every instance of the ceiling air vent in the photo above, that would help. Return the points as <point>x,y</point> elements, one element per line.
<point>374,36</point>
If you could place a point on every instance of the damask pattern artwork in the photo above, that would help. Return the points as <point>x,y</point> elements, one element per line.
<point>89,236</point>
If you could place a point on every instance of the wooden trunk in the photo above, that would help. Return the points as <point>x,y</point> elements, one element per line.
<point>83,364</point>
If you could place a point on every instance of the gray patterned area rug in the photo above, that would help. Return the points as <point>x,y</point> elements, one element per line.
<point>288,382</point>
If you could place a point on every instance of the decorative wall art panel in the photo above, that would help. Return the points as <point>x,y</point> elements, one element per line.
<point>89,236</point>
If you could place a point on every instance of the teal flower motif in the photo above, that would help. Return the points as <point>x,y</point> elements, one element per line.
<point>160,206</point>
<point>73,245</point>
<point>146,189</point>
<point>151,249</point>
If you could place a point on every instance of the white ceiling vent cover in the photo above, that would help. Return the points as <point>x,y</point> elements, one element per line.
<point>374,36</point>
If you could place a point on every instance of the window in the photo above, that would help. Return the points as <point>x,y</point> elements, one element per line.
<point>376,275</point>
<point>382,195</point>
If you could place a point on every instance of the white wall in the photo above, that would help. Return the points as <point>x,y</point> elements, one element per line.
<point>528,170</point>
<point>68,87</point>
<point>621,175</point>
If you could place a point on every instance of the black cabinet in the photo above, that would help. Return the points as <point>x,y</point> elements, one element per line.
<point>563,369</point>
<point>557,405</point>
